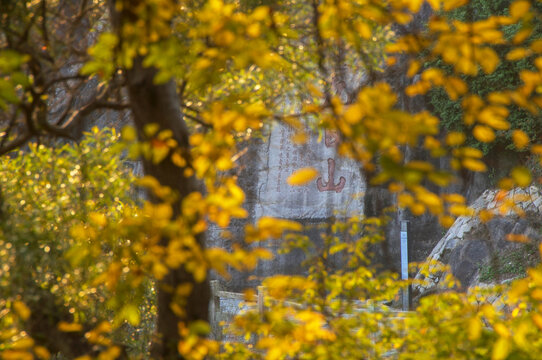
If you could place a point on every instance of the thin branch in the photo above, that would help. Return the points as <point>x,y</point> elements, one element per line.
<point>10,127</point>
<point>191,108</point>
<point>78,115</point>
<point>62,79</point>
<point>298,115</point>
<point>44,23</point>
<point>198,120</point>
<point>15,143</point>
<point>70,104</point>
<point>294,62</point>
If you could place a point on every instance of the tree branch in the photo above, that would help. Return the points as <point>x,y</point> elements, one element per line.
<point>21,140</point>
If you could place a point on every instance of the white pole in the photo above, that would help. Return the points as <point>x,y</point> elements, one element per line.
<point>404,262</point>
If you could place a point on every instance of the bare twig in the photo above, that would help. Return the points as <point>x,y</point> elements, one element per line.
<point>21,140</point>
<point>10,127</point>
<point>198,120</point>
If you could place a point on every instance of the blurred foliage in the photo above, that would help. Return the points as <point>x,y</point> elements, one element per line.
<point>505,77</point>
<point>80,257</point>
<point>48,192</point>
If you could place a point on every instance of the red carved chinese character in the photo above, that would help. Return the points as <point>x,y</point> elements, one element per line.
<point>331,138</point>
<point>330,185</point>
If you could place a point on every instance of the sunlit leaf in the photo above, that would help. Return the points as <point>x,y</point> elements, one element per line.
<point>302,176</point>
<point>520,138</point>
<point>521,175</point>
<point>69,327</point>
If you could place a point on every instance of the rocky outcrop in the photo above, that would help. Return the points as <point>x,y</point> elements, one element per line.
<point>478,251</point>
<point>262,174</point>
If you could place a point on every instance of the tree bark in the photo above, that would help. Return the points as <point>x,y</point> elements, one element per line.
<point>151,103</point>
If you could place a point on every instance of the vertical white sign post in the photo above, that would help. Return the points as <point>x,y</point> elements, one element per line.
<point>404,262</point>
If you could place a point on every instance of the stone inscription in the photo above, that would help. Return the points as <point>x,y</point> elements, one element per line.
<point>330,184</point>
<point>279,157</point>
<point>290,159</point>
<point>331,139</point>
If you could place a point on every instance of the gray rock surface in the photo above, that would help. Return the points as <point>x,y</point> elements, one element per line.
<point>335,189</point>
<point>470,245</point>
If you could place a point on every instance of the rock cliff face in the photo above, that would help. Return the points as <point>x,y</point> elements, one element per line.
<point>264,168</point>
<point>480,252</point>
<point>267,163</point>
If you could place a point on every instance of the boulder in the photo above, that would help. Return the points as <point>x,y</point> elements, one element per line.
<point>477,251</point>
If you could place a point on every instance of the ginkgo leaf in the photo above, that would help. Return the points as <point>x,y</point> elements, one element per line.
<point>455,138</point>
<point>522,35</point>
<point>519,8</point>
<point>520,238</point>
<point>483,133</point>
<point>23,343</point>
<point>520,139</point>
<point>517,54</point>
<point>521,175</point>
<point>537,319</point>
<point>21,309</point>
<point>41,352</point>
<point>130,312</point>
<point>475,329</point>
<point>501,349</point>
<point>128,133</point>
<point>474,165</point>
<point>302,176</point>
<point>69,327</point>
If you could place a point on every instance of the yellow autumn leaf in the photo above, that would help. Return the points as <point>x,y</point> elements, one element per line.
<point>483,133</point>
<point>84,357</point>
<point>522,35</point>
<point>516,54</point>
<point>446,221</point>
<point>455,87</point>
<point>302,176</point>
<point>97,218</point>
<point>520,238</point>
<point>128,134</point>
<point>474,165</point>
<point>519,8</point>
<point>488,59</point>
<point>536,46</point>
<point>499,98</point>
<point>537,294</point>
<point>353,114</point>
<point>521,176</point>
<point>454,198</point>
<point>22,344</point>
<point>435,4</point>
<point>69,327</point>
<point>536,149</point>
<point>501,349</point>
<point>42,353</point>
<point>364,30</point>
<point>16,355</point>
<point>413,68</point>
<point>455,138</point>
<point>485,215</point>
<point>130,312</point>
<point>21,309</point>
<point>495,116</point>
<point>520,139</point>
<point>460,210</point>
<point>475,329</point>
<point>537,319</point>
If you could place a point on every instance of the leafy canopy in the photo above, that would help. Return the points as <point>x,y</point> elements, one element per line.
<point>238,67</point>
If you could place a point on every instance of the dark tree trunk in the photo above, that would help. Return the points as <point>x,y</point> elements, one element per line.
<point>151,103</point>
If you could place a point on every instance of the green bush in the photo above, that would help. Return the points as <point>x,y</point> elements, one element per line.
<point>46,193</point>
<point>506,76</point>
